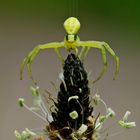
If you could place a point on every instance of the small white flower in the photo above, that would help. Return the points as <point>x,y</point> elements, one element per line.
<point>110,113</point>
<point>96,99</point>
<point>125,117</point>
<point>25,135</point>
<point>82,129</point>
<point>127,124</point>
<point>21,102</point>
<point>124,122</point>
<point>96,136</point>
<point>102,119</point>
<point>18,135</point>
<point>35,91</point>
<point>73,114</point>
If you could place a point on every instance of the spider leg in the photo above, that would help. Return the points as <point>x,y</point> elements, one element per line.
<point>31,56</point>
<point>86,53</point>
<point>95,44</point>
<point>102,46</point>
<point>27,60</point>
<point>81,52</point>
<point>76,51</point>
<point>115,57</point>
<point>59,55</point>
<point>22,66</point>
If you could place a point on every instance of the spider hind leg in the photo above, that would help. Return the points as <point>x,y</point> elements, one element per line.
<point>103,47</point>
<point>115,57</point>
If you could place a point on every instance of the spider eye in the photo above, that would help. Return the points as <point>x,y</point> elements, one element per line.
<point>75,37</point>
<point>71,38</point>
<point>67,37</point>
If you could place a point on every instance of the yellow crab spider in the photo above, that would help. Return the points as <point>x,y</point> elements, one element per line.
<point>72,42</point>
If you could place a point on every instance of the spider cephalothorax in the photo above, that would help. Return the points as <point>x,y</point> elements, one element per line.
<point>72,42</point>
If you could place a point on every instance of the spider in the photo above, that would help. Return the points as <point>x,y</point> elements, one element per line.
<point>72,42</point>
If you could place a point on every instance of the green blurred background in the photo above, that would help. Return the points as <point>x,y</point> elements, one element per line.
<point>26,23</point>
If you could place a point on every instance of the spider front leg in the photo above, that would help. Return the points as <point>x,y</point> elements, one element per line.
<point>81,52</point>
<point>31,56</point>
<point>84,51</point>
<point>102,46</point>
<point>59,55</point>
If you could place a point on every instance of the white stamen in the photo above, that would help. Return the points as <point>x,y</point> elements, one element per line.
<point>61,77</point>
<point>71,81</point>
<point>81,76</point>
<point>82,129</point>
<point>127,114</point>
<point>38,115</point>
<point>104,104</point>
<point>127,124</point>
<point>110,113</point>
<point>47,114</point>
<point>80,90</point>
<point>73,97</point>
